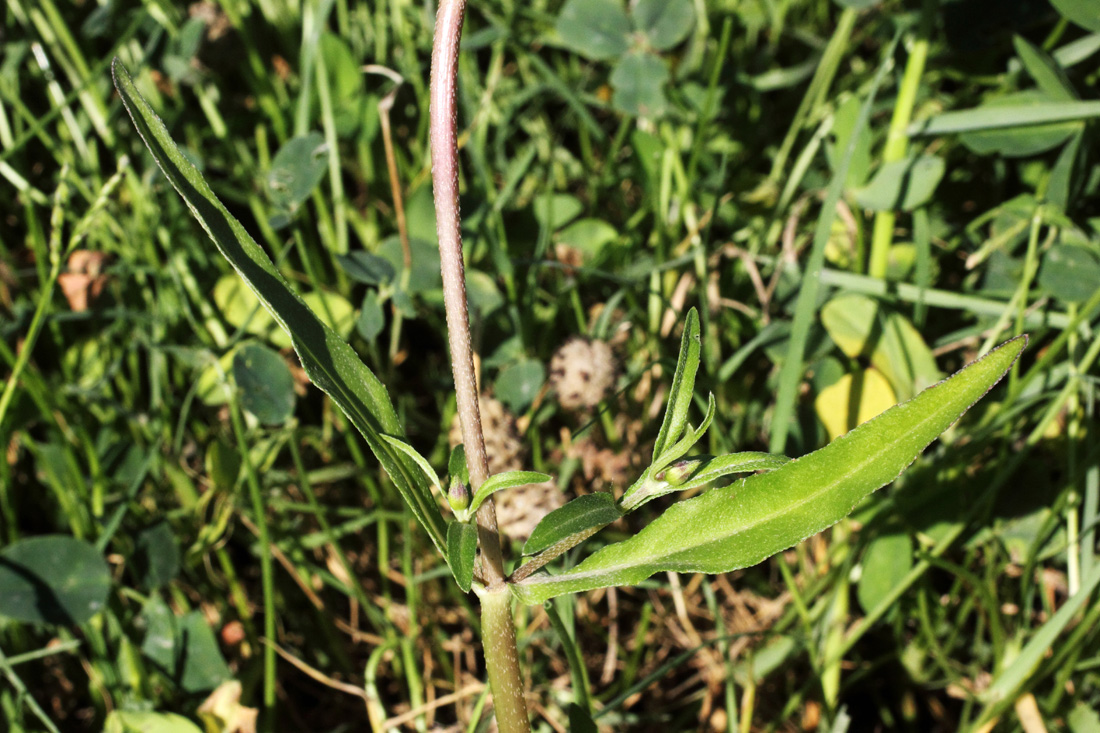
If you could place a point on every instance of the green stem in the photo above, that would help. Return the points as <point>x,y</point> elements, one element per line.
<point>266,570</point>
<point>498,633</point>
<point>897,145</point>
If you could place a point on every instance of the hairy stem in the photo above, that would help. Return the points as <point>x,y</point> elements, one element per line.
<point>498,631</point>
<point>444,123</point>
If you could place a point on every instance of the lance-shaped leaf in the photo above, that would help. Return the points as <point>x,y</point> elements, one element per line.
<point>565,528</point>
<point>462,551</point>
<point>507,480</point>
<point>683,386</point>
<point>691,436</point>
<point>703,470</point>
<point>328,360</point>
<point>750,520</point>
<point>577,516</point>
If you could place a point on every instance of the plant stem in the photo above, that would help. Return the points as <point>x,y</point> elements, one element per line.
<point>498,631</point>
<point>897,145</point>
<point>498,634</point>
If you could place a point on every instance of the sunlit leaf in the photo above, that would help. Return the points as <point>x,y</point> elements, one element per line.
<point>329,362</point>
<point>752,519</point>
<point>53,579</point>
<point>598,29</point>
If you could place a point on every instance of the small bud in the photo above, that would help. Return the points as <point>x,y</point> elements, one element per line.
<point>678,472</point>
<point>458,497</point>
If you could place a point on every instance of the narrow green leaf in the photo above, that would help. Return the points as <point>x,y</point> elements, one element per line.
<point>686,443</point>
<point>707,469</point>
<point>715,468</point>
<point>462,551</point>
<point>328,360</point>
<point>1008,682</point>
<point>456,464</point>
<point>418,459</point>
<point>793,369</point>
<point>578,516</point>
<point>990,117</point>
<point>742,524</point>
<point>506,480</point>
<point>1042,68</point>
<point>683,386</point>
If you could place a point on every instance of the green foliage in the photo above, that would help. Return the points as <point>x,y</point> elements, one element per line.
<point>264,382</point>
<point>569,524</point>
<point>52,579</point>
<point>738,526</point>
<point>603,31</point>
<point>328,360</point>
<point>462,549</point>
<point>605,193</point>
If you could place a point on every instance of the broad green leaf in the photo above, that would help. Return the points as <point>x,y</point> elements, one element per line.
<point>54,579</point>
<point>183,647</point>
<point>366,268</point>
<point>885,562</point>
<point>853,400</point>
<point>639,82</point>
<point>1042,68</point>
<point>861,328</point>
<point>204,667</point>
<point>329,362</point>
<point>598,29</point>
<point>371,319</point>
<point>581,516</point>
<point>243,309</point>
<point>424,276</point>
<point>752,519</point>
<point>1070,273</point>
<point>845,124</point>
<point>1085,13</point>
<point>507,480</point>
<point>683,386</point>
<point>1083,719</point>
<point>223,464</point>
<point>1016,110</point>
<point>589,237</point>
<point>518,384</point>
<point>157,554</point>
<point>296,170</point>
<point>482,293</point>
<point>556,210</point>
<point>902,185</point>
<point>135,721</point>
<point>265,383</point>
<point>462,551</point>
<point>664,22</point>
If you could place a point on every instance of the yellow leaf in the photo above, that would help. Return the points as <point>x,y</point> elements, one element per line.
<point>853,399</point>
